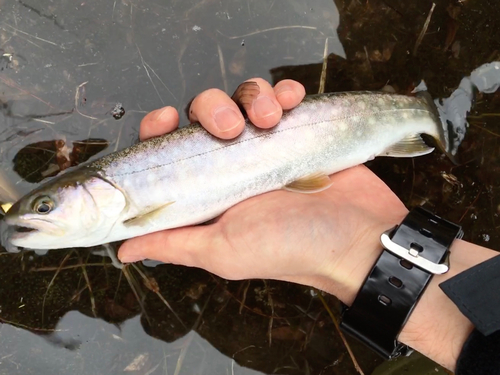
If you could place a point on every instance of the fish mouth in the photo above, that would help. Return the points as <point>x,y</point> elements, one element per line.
<point>23,229</point>
<point>21,232</point>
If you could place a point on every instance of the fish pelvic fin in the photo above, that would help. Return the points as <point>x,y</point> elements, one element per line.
<point>313,183</point>
<point>146,216</point>
<point>410,146</point>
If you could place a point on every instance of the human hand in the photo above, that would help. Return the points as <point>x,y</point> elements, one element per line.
<point>328,240</point>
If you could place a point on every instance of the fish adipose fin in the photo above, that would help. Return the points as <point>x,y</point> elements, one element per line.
<point>145,217</point>
<point>410,146</point>
<point>310,184</point>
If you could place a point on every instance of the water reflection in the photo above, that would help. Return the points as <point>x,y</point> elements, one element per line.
<point>83,345</point>
<point>40,160</point>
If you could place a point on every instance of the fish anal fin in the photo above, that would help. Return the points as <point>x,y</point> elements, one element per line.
<point>410,146</point>
<point>145,217</point>
<point>313,183</point>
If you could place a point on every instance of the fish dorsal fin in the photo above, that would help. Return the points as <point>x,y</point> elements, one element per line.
<point>146,216</point>
<point>313,183</point>
<point>410,146</point>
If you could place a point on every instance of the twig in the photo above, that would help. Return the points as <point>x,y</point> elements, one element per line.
<point>159,79</point>
<point>322,80</point>
<point>77,97</point>
<point>271,318</point>
<point>52,282</point>
<point>45,269</point>
<point>270,29</point>
<point>12,84</point>
<point>43,121</point>
<point>182,355</point>
<point>486,130</point>
<point>472,204</point>
<point>130,279</point>
<point>336,323</point>
<point>243,300</point>
<point>91,293</point>
<point>19,325</point>
<point>87,64</point>
<point>424,30</point>
<point>222,67</point>
<point>149,76</point>
<point>156,290</point>
<point>33,36</point>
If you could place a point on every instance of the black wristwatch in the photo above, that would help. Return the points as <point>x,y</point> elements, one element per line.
<point>414,251</point>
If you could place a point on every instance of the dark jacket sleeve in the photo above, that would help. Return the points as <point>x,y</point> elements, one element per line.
<point>476,292</point>
<point>480,355</point>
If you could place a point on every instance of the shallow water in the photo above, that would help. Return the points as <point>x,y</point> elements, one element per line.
<point>68,67</point>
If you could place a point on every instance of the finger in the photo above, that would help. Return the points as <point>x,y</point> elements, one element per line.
<point>264,110</point>
<point>187,246</point>
<point>289,93</point>
<point>218,113</point>
<point>159,122</point>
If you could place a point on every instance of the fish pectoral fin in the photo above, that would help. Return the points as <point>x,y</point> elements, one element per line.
<point>313,183</point>
<point>146,216</point>
<point>410,146</point>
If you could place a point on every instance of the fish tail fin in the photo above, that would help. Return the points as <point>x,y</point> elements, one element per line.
<point>447,139</point>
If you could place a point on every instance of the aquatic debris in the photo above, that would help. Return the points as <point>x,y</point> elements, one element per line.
<point>424,29</point>
<point>118,111</point>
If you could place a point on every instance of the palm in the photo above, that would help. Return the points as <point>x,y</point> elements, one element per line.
<point>277,232</point>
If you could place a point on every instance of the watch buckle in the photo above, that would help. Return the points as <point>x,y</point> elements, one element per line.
<point>413,256</point>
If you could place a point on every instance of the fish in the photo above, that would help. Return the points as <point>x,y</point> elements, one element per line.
<point>189,176</point>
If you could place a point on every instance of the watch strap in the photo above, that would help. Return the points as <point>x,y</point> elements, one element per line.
<point>413,252</point>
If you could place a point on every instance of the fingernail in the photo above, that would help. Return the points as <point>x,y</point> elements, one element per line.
<point>284,89</point>
<point>161,113</point>
<point>130,257</point>
<point>264,107</point>
<point>227,119</point>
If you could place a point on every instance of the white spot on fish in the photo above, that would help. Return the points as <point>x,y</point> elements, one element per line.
<point>151,178</point>
<point>342,125</point>
<point>358,133</point>
<point>362,106</point>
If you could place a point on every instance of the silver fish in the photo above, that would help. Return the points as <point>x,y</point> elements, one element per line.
<point>189,176</point>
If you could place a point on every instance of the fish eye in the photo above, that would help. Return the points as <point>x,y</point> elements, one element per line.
<point>43,205</point>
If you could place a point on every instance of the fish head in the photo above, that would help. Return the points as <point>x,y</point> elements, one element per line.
<point>77,209</point>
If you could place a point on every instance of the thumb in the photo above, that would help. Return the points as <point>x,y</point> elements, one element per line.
<point>187,246</point>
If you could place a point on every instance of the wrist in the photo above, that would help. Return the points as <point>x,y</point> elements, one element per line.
<point>347,275</point>
<point>436,328</point>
